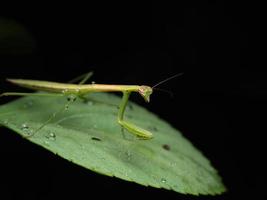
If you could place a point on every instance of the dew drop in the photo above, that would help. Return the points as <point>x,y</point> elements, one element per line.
<point>66,107</point>
<point>163,180</point>
<point>51,135</point>
<point>71,98</point>
<point>30,132</point>
<point>24,127</point>
<point>6,122</point>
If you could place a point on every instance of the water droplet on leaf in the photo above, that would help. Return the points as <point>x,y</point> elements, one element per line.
<point>24,127</point>
<point>51,135</point>
<point>163,180</point>
<point>66,107</point>
<point>71,98</point>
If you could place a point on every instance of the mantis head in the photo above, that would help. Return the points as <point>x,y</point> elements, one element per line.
<point>145,92</point>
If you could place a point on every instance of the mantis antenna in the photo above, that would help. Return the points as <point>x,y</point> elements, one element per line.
<point>165,80</point>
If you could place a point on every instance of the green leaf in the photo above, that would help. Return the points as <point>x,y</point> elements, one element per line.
<point>87,133</point>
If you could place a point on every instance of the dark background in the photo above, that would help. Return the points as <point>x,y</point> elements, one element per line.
<point>218,104</point>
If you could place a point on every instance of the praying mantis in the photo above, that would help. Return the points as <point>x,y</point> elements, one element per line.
<point>80,90</point>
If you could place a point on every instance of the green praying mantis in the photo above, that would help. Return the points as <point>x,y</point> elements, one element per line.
<point>80,90</point>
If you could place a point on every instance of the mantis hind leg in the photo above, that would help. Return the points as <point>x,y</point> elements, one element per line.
<point>132,128</point>
<point>82,78</point>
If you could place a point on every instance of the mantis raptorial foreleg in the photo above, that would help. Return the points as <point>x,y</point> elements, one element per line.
<point>139,132</point>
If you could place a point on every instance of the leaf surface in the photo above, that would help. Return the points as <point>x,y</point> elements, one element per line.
<point>87,133</point>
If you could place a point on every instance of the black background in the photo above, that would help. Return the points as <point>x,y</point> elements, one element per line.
<point>218,103</point>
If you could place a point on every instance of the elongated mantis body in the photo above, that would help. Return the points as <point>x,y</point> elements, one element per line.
<point>82,89</point>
